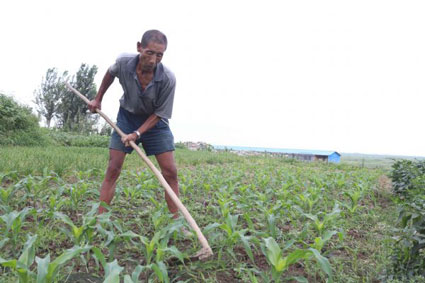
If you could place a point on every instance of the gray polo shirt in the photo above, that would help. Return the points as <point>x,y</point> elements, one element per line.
<point>158,96</point>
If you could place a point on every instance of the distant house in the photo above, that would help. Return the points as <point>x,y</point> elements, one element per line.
<point>313,155</point>
<point>198,146</point>
<point>300,154</point>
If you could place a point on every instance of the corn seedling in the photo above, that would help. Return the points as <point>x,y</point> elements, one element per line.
<point>6,194</point>
<point>281,263</point>
<point>354,198</point>
<point>321,219</point>
<point>47,271</point>
<point>14,221</point>
<point>278,262</point>
<point>83,232</point>
<point>22,265</point>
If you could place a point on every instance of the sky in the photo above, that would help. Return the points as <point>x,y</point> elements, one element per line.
<point>345,76</point>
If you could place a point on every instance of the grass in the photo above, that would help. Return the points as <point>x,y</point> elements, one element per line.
<point>374,161</point>
<point>63,160</point>
<point>238,202</point>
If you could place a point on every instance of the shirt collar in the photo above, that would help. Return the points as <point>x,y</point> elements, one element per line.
<point>159,70</point>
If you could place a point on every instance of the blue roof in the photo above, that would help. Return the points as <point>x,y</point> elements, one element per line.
<point>279,150</point>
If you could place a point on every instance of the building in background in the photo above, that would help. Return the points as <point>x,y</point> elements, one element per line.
<point>314,155</point>
<point>299,154</point>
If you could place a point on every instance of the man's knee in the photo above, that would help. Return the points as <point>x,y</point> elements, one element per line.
<point>113,171</point>
<point>167,164</point>
<point>170,172</point>
<point>114,166</point>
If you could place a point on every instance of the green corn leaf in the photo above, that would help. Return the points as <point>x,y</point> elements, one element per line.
<point>335,211</point>
<point>271,222</point>
<point>311,216</point>
<point>318,243</point>
<point>6,193</point>
<point>65,219</point>
<point>77,232</point>
<point>248,221</point>
<point>173,227</point>
<point>9,219</point>
<point>28,253</point>
<point>159,254</point>
<point>154,201</point>
<point>62,259</point>
<point>110,235</point>
<point>129,235</point>
<point>16,224</point>
<point>150,247</point>
<point>161,271</point>
<point>319,225</point>
<point>136,273</point>
<point>281,265</point>
<point>127,279</point>
<point>98,255</point>
<point>327,235</point>
<point>94,209</point>
<point>273,252</point>
<point>289,244</point>
<point>112,272</point>
<point>67,232</point>
<point>296,256</point>
<point>42,268</point>
<point>232,221</point>
<point>323,262</point>
<point>247,246</point>
<point>227,229</point>
<point>175,252</point>
<point>3,242</point>
<point>252,277</point>
<point>8,263</point>
<point>23,274</point>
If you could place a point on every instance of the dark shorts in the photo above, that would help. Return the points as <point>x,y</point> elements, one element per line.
<point>157,140</point>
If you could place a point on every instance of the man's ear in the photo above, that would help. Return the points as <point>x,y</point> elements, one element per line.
<point>139,47</point>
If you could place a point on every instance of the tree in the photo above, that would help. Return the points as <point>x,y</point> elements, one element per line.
<point>106,130</point>
<point>48,96</point>
<point>73,112</point>
<point>18,125</point>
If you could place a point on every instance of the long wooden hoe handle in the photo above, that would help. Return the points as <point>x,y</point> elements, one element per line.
<point>206,249</point>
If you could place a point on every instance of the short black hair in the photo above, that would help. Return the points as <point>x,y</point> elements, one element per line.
<point>153,35</point>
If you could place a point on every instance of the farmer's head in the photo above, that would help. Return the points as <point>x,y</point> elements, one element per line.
<point>151,49</point>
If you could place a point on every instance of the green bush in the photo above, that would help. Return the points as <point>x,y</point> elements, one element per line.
<point>408,175</point>
<point>180,145</point>
<point>73,139</point>
<point>409,252</point>
<point>18,125</point>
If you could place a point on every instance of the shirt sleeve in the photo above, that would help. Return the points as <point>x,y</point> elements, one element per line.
<point>165,100</point>
<point>113,69</point>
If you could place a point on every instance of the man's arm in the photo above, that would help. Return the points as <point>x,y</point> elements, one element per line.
<point>146,126</point>
<point>108,79</point>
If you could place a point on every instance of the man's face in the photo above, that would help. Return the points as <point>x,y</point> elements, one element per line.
<point>150,55</point>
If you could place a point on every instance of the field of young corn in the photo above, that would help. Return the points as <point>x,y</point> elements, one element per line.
<point>266,219</point>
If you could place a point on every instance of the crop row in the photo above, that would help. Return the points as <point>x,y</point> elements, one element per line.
<point>266,220</point>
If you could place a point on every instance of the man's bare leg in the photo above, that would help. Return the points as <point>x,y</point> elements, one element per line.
<point>107,190</point>
<point>169,171</point>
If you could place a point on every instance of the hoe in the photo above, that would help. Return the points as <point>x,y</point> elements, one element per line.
<point>205,251</point>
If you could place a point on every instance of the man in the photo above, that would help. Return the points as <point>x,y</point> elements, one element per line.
<point>145,108</point>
